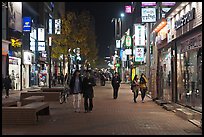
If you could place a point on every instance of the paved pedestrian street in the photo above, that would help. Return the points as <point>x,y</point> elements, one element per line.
<point>110,116</point>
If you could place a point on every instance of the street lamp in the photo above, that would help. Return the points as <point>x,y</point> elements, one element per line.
<point>122,14</point>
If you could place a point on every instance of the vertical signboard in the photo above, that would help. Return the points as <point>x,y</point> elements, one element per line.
<point>26,24</point>
<point>57,26</point>
<point>118,44</point>
<point>41,34</point>
<point>139,54</point>
<point>50,26</point>
<point>139,35</point>
<point>128,41</point>
<point>15,15</point>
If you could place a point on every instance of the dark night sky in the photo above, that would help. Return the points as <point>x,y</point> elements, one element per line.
<point>103,13</point>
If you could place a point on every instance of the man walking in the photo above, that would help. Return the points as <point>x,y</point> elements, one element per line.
<point>115,84</point>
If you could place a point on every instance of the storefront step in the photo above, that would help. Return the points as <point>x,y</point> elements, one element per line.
<point>168,107</point>
<point>161,102</point>
<point>183,113</point>
<point>198,123</point>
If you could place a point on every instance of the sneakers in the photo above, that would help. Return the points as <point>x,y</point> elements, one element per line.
<point>77,110</point>
<point>86,111</point>
<point>142,101</point>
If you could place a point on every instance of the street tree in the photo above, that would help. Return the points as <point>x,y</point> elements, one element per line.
<point>74,34</point>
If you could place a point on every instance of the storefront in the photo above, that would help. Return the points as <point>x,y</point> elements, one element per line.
<point>189,71</point>
<point>164,64</point>
<point>186,32</point>
<point>14,71</point>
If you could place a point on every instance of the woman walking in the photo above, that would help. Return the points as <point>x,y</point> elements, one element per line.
<point>143,86</point>
<point>135,88</point>
<point>88,92</point>
<point>115,84</point>
<point>76,90</point>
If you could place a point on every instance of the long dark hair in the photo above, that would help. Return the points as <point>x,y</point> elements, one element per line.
<point>135,78</point>
<point>142,80</point>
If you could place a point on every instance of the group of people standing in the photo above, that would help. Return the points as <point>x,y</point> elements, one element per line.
<point>85,87</point>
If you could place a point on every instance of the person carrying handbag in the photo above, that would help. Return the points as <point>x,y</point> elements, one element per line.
<point>135,88</point>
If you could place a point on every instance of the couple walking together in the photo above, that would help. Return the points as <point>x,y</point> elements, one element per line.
<point>139,85</point>
<point>85,87</point>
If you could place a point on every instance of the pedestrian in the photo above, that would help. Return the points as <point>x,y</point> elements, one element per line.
<point>62,78</point>
<point>2,82</point>
<point>54,80</point>
<point>143,86</point>
<point>65,78</point>
<point>115,84</point>
<point>76,90</point>
<point>135,88</point>
<point>102,78</point>
<point>7,84</point>
<point>88,92</point>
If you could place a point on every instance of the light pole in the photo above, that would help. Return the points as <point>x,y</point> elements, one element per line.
<point>123,64</point>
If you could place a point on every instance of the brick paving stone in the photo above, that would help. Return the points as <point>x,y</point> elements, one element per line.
<point>109,117</point>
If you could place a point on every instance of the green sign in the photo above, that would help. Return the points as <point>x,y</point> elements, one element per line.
<point>128,41</point>
<point>117,65</point>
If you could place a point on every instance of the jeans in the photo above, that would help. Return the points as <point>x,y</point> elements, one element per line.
<point>143,92</point>
<point>135,92</point>
<point>115,92</point>
<point>88,104</point>
<point>77,101</point>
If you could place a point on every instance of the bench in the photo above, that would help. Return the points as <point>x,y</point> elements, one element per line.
<point>34,90</point>
<point>48,96</point>
<point>27,114</point>
<point>32,99</point>
<point>9,103</point>
<point>54,89</point>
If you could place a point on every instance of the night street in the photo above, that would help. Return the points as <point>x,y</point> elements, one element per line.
<point>101,68</point>
<point>109,117</point>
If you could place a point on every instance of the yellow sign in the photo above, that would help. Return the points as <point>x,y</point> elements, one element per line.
<point>133,73</point>
<point>15,43</point>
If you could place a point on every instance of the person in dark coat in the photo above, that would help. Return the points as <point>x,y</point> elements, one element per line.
<point>115,84</point>
<point>2,83</point>
<point>7,85</point>
<point>102,77</point>
<point>76,90</point>
<point>88,92</point>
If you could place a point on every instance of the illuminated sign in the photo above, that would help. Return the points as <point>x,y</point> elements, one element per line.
<point>118,44</point>
<point>148,4</point>
<point>15,42</point>
<point>128,41</point>
<point>148,14</point>
<point>168,3</point>
<point>185,19</point>
<point>57,26</point>
<point>41,34</point>
<point>27,58</point>
<point>50,26</point>
<point>139,35</point>
<point>128,9</point>
<point>27,24</point>
<point>139,54</point>
<point>41,46</point>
